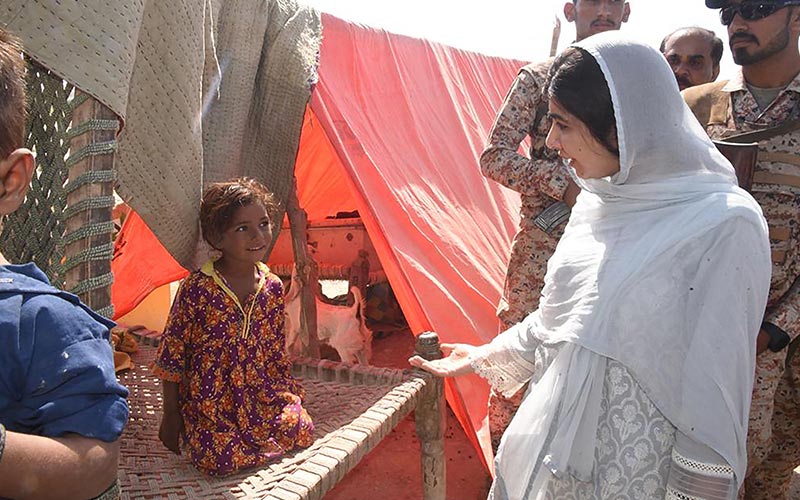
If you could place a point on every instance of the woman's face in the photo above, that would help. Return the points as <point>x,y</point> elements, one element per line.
<point>578,147</point>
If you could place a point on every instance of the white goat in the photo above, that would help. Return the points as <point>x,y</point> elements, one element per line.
<point>341,327</point>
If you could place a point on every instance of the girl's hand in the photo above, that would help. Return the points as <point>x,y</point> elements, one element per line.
<point>456,363</point>
<point>170,430</point>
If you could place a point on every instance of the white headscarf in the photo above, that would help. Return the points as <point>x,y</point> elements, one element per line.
<point>664,267</point>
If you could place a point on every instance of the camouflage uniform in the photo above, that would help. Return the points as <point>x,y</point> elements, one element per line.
<point>541,181</point>
<point>776,187</point>
<point>770,480</point>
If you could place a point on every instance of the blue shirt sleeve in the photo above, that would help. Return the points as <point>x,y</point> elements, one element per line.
<point>64,380</point>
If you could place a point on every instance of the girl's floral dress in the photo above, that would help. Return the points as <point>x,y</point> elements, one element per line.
<point>240,405</point>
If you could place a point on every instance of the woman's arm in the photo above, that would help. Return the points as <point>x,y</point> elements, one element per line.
<point>456,363</point>
<point>69,467</point>
<point>697,471</point>
<point>507,362</point>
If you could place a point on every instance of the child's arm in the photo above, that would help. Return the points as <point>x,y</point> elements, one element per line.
<point>171,420</point>
<point>71,466</point>
<point>170,363</point>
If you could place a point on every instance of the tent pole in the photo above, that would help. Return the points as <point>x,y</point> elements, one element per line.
<point>91,203</point>
<point>307,271</point>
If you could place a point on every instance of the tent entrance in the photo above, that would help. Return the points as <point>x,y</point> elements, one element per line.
<point>337,243</point>
<point>343,251</point>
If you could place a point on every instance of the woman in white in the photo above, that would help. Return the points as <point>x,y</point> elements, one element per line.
<point>642,350</point>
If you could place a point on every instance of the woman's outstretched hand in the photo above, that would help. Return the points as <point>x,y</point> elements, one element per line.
<point>454,364</point>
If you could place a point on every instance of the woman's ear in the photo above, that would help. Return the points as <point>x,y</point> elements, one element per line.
<point>15,177</point>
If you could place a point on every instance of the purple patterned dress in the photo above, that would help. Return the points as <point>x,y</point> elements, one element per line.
<point>240,405</point>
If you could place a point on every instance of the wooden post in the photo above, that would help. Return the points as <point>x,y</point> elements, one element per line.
<point>556,36</point>
<point>431,422</point>
<point>307,270</point>
<point>358,276</point>
<point>91,111</point>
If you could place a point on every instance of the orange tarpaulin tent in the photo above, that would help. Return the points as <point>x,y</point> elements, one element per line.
<point>394,130</point>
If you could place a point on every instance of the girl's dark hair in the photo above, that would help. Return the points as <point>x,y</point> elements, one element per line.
<point>222,199</point>
<point>576,81</point>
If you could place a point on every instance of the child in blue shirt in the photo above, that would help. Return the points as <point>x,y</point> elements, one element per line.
<point>61,408</point>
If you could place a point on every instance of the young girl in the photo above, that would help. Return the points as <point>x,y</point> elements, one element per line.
<point>228,392</point>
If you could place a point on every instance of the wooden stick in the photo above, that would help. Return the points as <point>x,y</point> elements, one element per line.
<point>556,36</point>
<point>431,421</point>
<point>307,271</point>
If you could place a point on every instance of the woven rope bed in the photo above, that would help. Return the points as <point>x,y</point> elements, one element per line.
<point>353,408</point>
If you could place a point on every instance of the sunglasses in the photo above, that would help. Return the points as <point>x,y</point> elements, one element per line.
<point>752,11</point>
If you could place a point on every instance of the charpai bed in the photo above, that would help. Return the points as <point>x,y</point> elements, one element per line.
<point>353,408</point>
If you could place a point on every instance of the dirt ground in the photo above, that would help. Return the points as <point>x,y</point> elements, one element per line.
<point>392,470</point>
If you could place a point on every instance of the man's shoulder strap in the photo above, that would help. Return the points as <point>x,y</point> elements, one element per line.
<point>709,102</point>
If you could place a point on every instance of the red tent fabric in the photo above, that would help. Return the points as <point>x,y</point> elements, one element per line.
<point>394,130</point>
<point>140,265</point>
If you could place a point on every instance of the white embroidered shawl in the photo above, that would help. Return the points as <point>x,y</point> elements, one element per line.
<point>664,267</point>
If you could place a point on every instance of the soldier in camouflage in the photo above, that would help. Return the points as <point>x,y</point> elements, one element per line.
<point>544,185</point>
<point>765,94</point>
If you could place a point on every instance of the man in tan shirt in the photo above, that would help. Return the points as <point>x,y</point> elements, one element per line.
<point>765,94</point>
